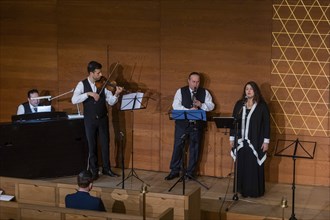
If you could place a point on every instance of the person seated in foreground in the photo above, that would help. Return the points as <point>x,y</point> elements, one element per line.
<point>82,199</point>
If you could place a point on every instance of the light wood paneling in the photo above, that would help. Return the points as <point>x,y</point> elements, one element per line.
<point>47,45</point>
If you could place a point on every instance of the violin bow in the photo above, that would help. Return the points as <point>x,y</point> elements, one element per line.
<point>108,78</point>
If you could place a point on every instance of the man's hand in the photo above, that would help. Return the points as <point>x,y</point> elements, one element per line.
<point>197,104</point>
<point>118,90</point>
<point>94,95</point>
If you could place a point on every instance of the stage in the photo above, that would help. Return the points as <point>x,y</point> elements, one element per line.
<point>311,202</point>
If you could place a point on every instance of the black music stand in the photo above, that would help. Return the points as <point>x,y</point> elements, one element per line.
<point>224,122</point>
<point>132,101</point>
<point>297,151</point>
<point>198,115</point>
<point>231,123</point>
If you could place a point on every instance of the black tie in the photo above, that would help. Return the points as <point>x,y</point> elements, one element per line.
<point>35,109</point>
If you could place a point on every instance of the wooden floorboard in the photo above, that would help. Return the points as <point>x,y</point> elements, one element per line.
<point>311,202</point>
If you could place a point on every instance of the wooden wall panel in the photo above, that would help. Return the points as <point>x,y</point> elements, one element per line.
<point>125,32</point>
<point>201,37</point>
<point>28,54</point>
<point>47,45</point>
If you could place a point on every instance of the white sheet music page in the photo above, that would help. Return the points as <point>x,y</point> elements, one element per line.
<point>5,197</point>
<point>131,101</point>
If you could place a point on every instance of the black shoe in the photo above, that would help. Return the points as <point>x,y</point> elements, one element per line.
<point>171,176</point>
<point>110,173</point>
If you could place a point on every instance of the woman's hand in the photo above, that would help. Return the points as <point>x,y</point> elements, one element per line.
<point>231,144</point>
<point>264,147</point>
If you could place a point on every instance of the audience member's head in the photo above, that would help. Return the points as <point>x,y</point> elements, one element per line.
<point>85,179</point>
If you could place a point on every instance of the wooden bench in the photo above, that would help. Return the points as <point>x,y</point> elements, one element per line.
<point>15,210</point>
<point>123,201</point>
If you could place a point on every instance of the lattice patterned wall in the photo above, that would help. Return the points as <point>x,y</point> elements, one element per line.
<point>300,67</point>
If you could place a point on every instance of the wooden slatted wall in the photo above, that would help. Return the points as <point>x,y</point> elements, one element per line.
<point>47,45</point>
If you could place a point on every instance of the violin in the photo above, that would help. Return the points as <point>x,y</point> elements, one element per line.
<point>103,82</point>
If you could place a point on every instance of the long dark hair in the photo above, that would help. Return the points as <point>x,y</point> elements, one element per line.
<point>257,93</point>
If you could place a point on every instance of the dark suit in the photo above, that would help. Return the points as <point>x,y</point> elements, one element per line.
<point>83,200</point>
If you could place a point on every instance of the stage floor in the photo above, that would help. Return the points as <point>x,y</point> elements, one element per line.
<point>311,202</point>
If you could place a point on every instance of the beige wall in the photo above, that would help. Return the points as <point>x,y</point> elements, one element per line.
<point>47,45</point>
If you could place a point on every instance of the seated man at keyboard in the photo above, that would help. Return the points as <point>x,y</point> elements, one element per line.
<point>31,105</point>
<point>82,199</point>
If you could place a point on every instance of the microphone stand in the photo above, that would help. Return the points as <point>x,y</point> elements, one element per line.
<point>236,121</point>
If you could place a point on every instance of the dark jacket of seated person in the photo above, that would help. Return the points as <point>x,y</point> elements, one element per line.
<point>82,199</point>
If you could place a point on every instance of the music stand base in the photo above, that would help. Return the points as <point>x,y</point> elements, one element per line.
<point>235,199</point>
<point>183,179</point>
<point>132,173</point>
<point>292,217</point>
<point>194,179</point>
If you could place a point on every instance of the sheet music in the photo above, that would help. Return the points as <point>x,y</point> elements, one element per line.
<point>132,101</point>
<point>5,197</point>
<point>189,114</point>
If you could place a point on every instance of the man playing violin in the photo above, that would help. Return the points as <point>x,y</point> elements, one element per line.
<point>96,116</point>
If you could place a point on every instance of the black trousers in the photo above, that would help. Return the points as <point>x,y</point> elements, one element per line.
<point>97,129</point>
<point>194,135</point>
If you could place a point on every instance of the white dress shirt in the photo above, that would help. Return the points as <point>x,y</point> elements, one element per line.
<point>208,104</point>
<point>79,95</point>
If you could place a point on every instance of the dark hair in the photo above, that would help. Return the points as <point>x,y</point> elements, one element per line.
<point>93,65</point>
<point>257,93</point>
<point>84,178</point>
<point>194,73</point>
<point>31,92</point>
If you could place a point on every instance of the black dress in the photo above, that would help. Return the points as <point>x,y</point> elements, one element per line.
<point>253,131</point>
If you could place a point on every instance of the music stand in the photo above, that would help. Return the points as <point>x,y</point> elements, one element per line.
<point>231,123</point>
<point>298,151</point>
<point>132,101</point>
<point>224,122</point>
<point>198,115</point>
